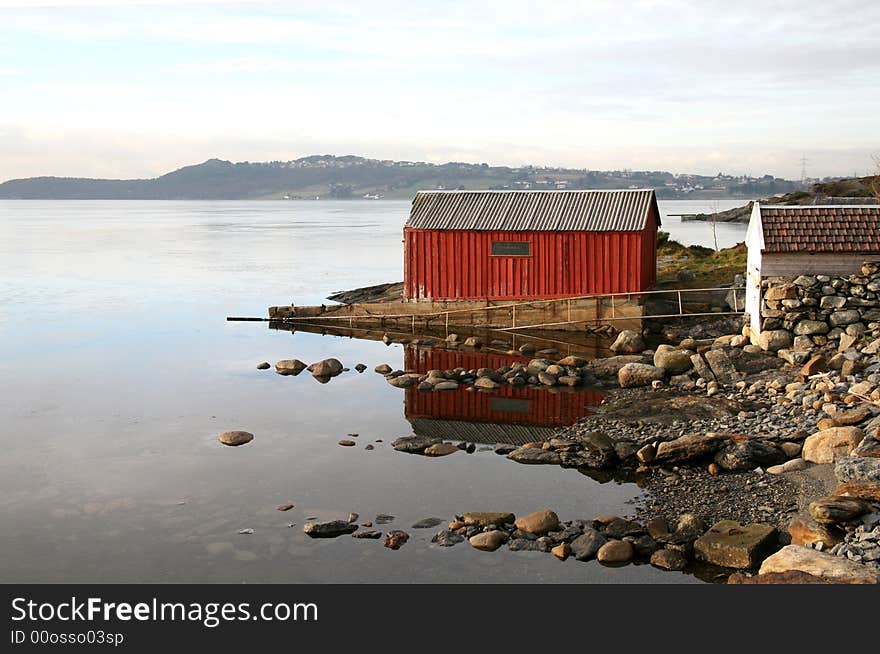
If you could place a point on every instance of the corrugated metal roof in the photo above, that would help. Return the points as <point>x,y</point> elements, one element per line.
<point>821,228</point>
<point>590,211</point>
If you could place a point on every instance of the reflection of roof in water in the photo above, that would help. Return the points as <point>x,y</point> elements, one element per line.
<point>480,432</point>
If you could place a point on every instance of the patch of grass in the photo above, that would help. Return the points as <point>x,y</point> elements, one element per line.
<point>709,268</point>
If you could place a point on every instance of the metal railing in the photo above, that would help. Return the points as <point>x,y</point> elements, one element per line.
<point>599,298</point>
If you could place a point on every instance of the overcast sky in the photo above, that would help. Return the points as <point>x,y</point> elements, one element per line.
<point>135,89</point>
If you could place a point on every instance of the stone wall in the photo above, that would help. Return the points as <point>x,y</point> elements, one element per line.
<point>802,313</point>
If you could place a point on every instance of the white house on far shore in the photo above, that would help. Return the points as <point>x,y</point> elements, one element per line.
<point>820,239</point>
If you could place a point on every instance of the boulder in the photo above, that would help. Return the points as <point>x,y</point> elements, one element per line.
<point>829,445</point>
<point>427,523</point>
<point>801,343</point>
<point>748,455</point>
<point>638,374</point>
<point>561,551</point>
<point>619,527</point>
<point>383,369</point>
<point>263,366</point>
<point>869,446</point>
<point>721,366</point>
<point>586,545</point>
<point>794,357</point>
<point>691,524</point>
<point>858,469</point>
<point>326,368</point>
<point>488,541</point>
<point>414,444</point>
<point>702,368</point>
<point>865,490</point>
<point>668,560</point>
<point>836,509</point>
<point>730,544</point>
<point>672,360</point>
<point>610,366</point>
<point>486,384</point>
<point>657,528</point>
<point>628,342</point>
<point>806,531</point>
<point>289,367</point>
<point>789,466</point>
<point>539,522</point>
<point>330,529</point>
<point>599,448</point>
<point>487,518</point>
<point>235,438</point>
<point>446,538</point>
<point>616,552</point>
<point>572,362</point>
<point>830,568</point>
<point>474,341</point>
<point>832,302</point>
<point>853,416</point>
<point>773,340</point>
<point>646,453</point>
<point>403,381</point>
<point>779,293</point>
<point>531,455</point>
<point>846,317</point>
<point>446,386</point>
<point>690,446</point>
<point>395,538</point>
<point>441,449</point>
<point>811,327</point>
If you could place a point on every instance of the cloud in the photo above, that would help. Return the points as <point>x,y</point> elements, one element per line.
<point>581,83</point>
<point>68,4</point>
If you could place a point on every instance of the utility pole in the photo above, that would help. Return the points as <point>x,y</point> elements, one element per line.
<point>803,169</point>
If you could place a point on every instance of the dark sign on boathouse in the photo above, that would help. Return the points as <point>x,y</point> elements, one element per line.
<point>509,245</point>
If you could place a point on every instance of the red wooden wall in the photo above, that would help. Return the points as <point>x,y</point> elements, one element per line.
<point>536,407</point>
<point>458,265</point>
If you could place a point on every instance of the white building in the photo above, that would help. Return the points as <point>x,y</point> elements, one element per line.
<point>791,240</point>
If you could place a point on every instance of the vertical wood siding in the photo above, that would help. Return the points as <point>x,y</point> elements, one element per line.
<point>544,408</point>
<point>457,264</point>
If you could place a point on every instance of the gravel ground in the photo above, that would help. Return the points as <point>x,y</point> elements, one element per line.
<point>744,497</point>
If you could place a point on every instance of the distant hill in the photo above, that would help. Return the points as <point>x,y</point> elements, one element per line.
<point>352,177</point>
<point>854,190</point>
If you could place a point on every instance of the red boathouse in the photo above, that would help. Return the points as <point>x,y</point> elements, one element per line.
<point>509,245</point>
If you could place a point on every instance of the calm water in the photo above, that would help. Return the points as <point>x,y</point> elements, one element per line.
<point>118,370</point>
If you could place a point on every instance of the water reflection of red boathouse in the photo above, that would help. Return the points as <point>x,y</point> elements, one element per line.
<point>491,416</point>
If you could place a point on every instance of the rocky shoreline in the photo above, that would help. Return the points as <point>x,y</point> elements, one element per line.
<point>754,456</point>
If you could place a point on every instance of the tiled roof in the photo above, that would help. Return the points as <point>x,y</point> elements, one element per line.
<point>821,228</point>
<point>593,211</point>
